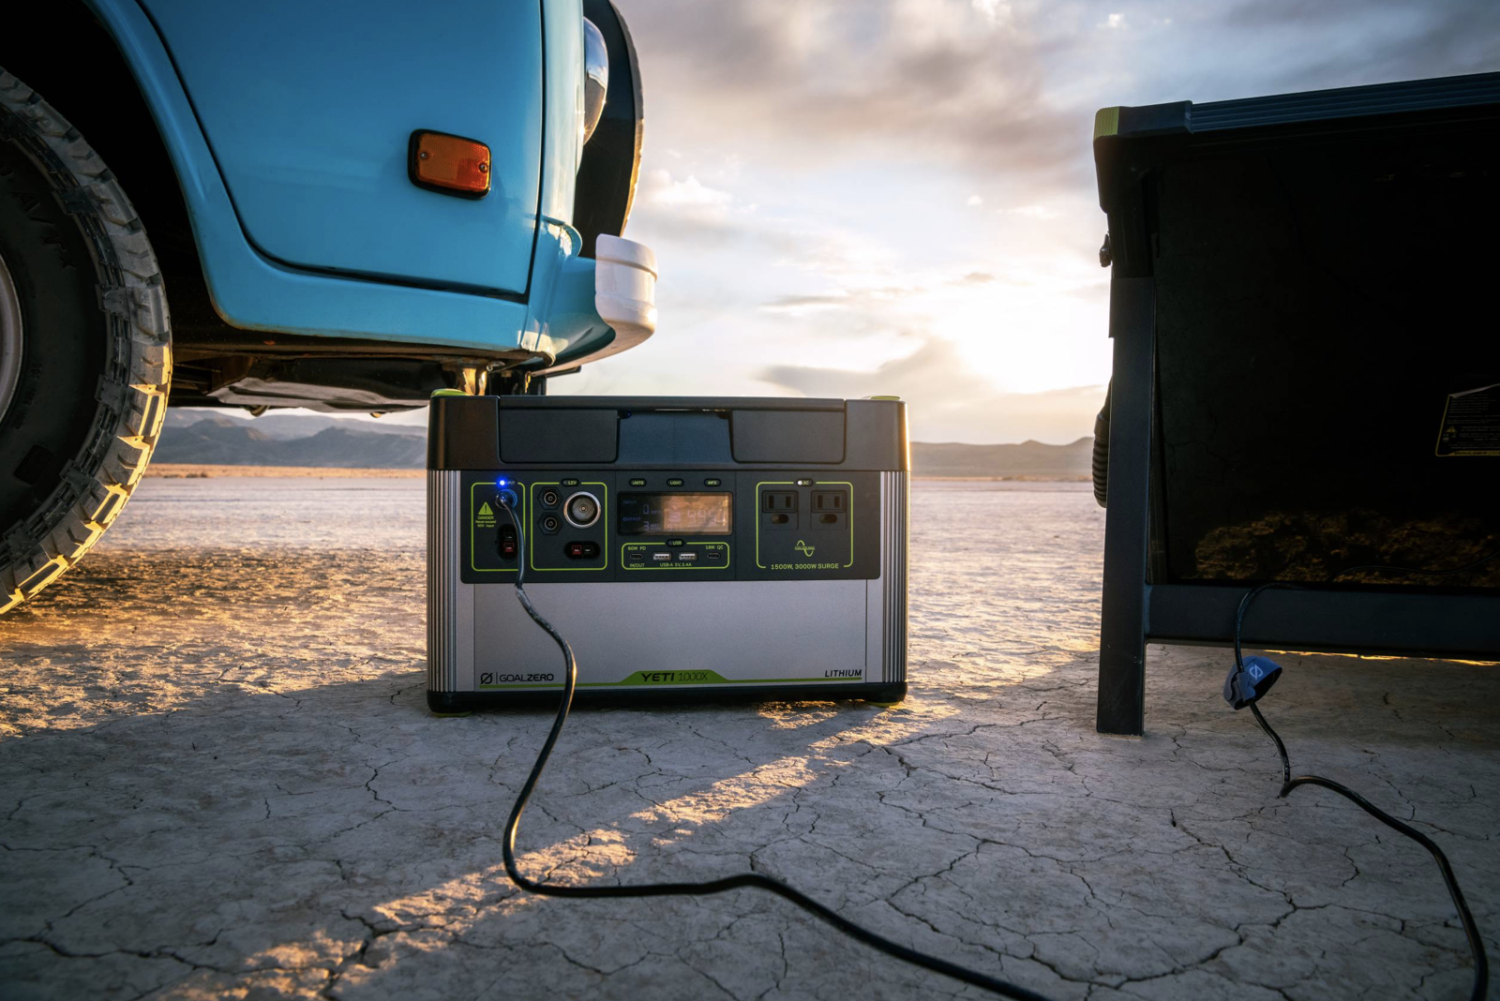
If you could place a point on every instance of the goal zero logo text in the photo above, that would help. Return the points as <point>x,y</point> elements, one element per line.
<point>489,678</point>
<point>804,548</point>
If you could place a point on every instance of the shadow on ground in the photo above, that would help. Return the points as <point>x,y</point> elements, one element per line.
<point>245,797</point>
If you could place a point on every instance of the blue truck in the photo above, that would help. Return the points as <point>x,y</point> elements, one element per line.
<point>340,205</point>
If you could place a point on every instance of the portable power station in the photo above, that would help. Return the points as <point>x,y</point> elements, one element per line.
<point>687,547</point>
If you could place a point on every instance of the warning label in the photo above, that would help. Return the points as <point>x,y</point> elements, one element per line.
<point>486,516</point>
<point>1471,423</point>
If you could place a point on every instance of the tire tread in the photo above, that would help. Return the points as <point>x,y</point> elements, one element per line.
<point>87,502</point>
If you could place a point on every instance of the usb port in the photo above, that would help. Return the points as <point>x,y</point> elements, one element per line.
<point>661,557</point>
<point>686,557</point>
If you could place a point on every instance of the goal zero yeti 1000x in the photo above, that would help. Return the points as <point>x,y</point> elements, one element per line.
<point>704,546</point>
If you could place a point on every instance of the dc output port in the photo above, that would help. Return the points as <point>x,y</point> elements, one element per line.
<point>510,499</point>
<point>550,524</point>
<point>550,497</point>
<point>582,509</point>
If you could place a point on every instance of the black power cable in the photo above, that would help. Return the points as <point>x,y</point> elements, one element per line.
<point>1480,990</point>
<point>754,880</point>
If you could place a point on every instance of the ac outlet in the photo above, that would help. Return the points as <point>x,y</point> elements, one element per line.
<point>830,507</point>
<point>830,501</point>
<point>778,501</point>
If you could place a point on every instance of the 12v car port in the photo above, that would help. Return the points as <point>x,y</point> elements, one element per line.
<point>582,509</point>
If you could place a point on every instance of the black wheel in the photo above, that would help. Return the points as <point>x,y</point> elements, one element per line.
<point>85,345</point>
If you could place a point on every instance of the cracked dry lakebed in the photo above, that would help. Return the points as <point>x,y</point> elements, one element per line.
<point>220,780</point>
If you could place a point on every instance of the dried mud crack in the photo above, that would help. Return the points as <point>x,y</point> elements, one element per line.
<point>220,781</point>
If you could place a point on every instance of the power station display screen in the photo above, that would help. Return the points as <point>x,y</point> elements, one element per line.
<point>676,514</point>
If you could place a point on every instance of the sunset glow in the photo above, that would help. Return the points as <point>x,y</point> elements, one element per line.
<point>898,197</point>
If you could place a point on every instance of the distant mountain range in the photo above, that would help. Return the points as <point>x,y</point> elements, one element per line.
<point>213,439</point>
<point>286,427</point>
<point>200,438</point>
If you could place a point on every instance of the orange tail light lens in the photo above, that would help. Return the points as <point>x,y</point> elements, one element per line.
<point>450,164</point>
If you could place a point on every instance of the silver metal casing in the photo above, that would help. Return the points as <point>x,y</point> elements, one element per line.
<point>785,630</point>
<point>812,629</point>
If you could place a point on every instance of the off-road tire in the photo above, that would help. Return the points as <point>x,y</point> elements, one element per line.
<point>66,225</point>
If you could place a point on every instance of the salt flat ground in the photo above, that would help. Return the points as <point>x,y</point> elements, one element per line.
<point>219,779</point>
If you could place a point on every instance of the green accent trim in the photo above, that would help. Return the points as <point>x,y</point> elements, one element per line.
<point>1106,122</point>
<point>675,565</point>
<point>896,398</point>
<point>448,392</point>
<point>793,483</point>
<point>695,677</point>
<point>473,521</point>
<point>604,515</point>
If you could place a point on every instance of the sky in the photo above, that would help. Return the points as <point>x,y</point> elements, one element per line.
<point>859,197</point>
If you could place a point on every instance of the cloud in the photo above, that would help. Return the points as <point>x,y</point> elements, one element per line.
<point>995,11</point>
<point>819,152</point>
<point>686,207</point>
<point>794,303</point>
<point>933,79</point>
<point>851,299</point>
<point>1294,45</point>
<point>974,278</point>
<point>1456,38</point>
<point>661,189</point>
<point>1032,212</point>
<point>948,401</point>
<point>1300,14</point>
<point>681,213</point>
<point>1005,88</point>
